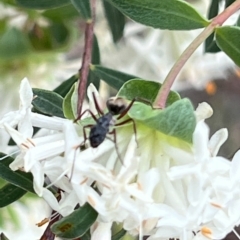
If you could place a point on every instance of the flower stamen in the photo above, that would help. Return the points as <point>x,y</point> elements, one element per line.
<point>216,205</point>
<point>84,180</point>
<point>44,221</point>
<point>91,201</point>
<point>206,232</point>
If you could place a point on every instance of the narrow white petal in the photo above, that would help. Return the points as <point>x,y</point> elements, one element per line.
<point>25,125</point>
<point>16,136</point>
<point>67,203</point>
<point>217,140</point>
<point>50,199</point>
<point>38,181</point>
<point>102,232</point>
<point>200,141</point>
<point>235,169</point>
<point>90,91</point>
<point>53,123</point>
<point>18,162</point>
<point>11,118</point>
<point>26,94</point>
<point>42,152</point>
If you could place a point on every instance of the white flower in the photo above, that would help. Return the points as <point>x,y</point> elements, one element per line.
<point>21,118</point>
<point>160,190</point>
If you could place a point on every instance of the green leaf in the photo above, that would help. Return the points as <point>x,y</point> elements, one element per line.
<point>53,36</point>
<point>61,14</point>
<point>164,14</point>
<point>228,3</point>
<point>86,236</point>
<point>210,44</point>
<point>119,234</point>
<point>67,105</point>
<point>116,20</point>
<point>95,53</point>
<point>76,224</point>
<point>48,102</point>
<point>59,34</point>
<point>42,4</point>
<point>112,77</point>
<point>238,21</point>
<point>83,7</point>
<point>65,86</point>
<point>139,88</point>
<point>3,237</point>
<point>9,194</point>
<point>228,40</point>
<point>18,178</point>
<point>40,38</point>
<point>95,80</point>
<point>13,43</point>
<point>70,103</point>
<point>177,120</point>
<point>213,9</point>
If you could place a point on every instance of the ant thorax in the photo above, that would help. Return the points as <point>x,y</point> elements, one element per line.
<point>116,105</point>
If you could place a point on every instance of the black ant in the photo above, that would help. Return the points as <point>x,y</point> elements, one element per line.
<point>99,131</point>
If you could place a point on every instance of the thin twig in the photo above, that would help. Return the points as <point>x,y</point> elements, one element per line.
<point>86,60</point>
<point>161,98</point>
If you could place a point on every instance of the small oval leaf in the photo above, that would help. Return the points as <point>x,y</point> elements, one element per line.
<point>112,77</point>
<point>9,194</point>
<point>42,4</point>
<point>211,45</point>
<point>48,102</point>
<point>228,39</point>
<point>67,105</point>
<point>177,120</point>
<point>145,89</point>
<point>65,86</point>
<point>76,224</point>
<point>164,14</point>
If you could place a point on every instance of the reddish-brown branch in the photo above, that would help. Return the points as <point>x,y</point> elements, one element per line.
<point>86,60</point>
<point>161,98</point>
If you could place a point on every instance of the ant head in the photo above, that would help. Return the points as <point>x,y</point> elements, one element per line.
<point>116,105</point>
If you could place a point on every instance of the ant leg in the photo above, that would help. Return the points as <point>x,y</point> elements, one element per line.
<point>89,111</point>
<point>134,127</point>
<point>124,112</point>
<point>85,135</point>
<point>113,132</point>
<point>99,110</point>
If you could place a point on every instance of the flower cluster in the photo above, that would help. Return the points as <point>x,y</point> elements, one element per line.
<point>160,190</point>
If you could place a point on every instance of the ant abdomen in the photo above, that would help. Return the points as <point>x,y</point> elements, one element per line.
<point>99,131</point>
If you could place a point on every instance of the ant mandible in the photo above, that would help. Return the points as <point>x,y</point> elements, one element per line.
<point>99,131</point>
